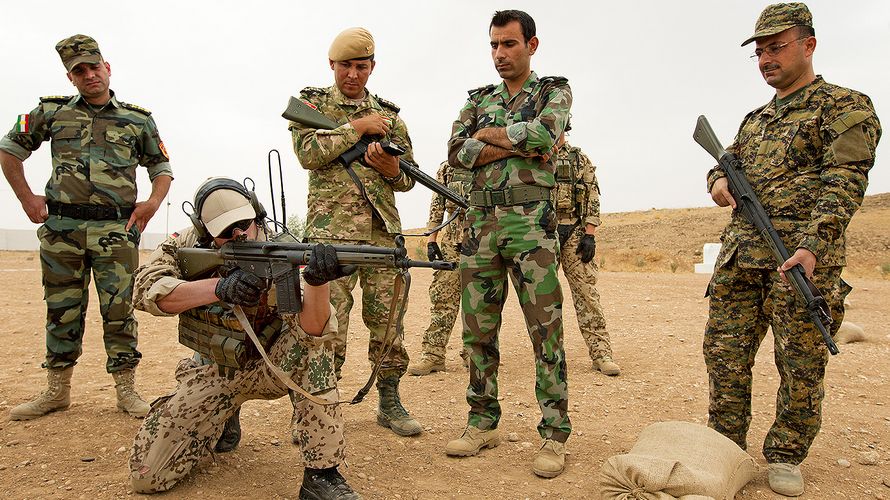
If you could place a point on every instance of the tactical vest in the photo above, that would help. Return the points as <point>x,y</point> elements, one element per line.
<point>460,181</point>
<point>571,193</point>
<point>215,332</point>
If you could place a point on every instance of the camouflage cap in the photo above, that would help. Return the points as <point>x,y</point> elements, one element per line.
<point>779,17</point>
<point>353,43</point>
<point>77,49</point>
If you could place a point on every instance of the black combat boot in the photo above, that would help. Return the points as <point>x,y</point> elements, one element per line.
<point>231,435</point>
<point>325,484</point>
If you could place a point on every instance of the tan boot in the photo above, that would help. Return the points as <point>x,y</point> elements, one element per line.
<point>607,366</point>
<point>427,365</point>
<point>785,479</point>
<point>56,397</point>
<point>128,400</point>
<point>551,459</point>
<point>471,441</point>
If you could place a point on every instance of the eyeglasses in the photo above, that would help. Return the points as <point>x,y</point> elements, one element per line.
<point>229,232</point>
<point>773,49</point>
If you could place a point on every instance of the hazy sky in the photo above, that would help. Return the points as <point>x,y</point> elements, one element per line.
<point>217,75</point>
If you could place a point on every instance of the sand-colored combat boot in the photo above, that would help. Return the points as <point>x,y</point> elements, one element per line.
<point>128,400</point>
<point>471,441</point>
<point>57,396</point>
<point>391,413</point>
<point>427,364</point>
<point>785,479</point>
<point>606,366</point>
<point>551,459</point>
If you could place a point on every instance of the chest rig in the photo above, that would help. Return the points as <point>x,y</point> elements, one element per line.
<point>571,193</point>
<point>459,180</point>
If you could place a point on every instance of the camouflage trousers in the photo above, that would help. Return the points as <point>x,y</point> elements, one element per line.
<point>522,240</point>
<point>377,292</point>
<point>69,250</point>
<point>582,282</point>
<point>183,428</point>
<point>743,304</point>
<point>444,298</point>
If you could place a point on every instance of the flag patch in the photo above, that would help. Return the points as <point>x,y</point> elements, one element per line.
<point>23,125</point>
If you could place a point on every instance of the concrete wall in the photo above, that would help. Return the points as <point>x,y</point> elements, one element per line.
<point>26,239</point>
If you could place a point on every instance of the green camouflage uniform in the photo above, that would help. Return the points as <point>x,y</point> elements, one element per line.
<point>183,427</point>
<point>95,151</point>
<point>578,204</point>
<point>445,287</point>
<point>500,236</point>
<point>339,213</point>
<point>808,161</point>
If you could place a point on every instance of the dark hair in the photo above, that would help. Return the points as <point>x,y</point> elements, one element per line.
<point>502,17</point>
<point>804,30</point>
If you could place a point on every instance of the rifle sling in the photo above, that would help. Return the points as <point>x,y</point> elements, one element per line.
<point>402,285</point>
<point>239,313</point>
<point>361,189</point>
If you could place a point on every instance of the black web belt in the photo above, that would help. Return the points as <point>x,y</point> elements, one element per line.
<point>88,212</point>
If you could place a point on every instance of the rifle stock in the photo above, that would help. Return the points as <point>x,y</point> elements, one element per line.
<point>753,211</point>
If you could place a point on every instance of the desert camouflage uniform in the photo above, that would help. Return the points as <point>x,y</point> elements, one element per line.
<point>95,151</point>
<point>184,426</point>
<point>445,287</point>
<point>578,204</point>
<point>807,159</point>
<point>517,238</point>
<point>340,214</point>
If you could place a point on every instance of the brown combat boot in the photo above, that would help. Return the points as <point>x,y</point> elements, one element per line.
<point>391,413</point>
<point>471,441</point>
<point>551,459</point>
<point>128,400</point>
<point>606,366</point>
<point>57,396</point>
<point>427,364</point>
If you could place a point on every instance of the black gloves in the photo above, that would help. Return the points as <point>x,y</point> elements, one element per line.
<point>433,252</point>
<point>241,288</point>
<point>586,248</point>
<point>323,266</point>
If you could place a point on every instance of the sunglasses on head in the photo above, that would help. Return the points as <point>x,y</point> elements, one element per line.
<point>229,232</point>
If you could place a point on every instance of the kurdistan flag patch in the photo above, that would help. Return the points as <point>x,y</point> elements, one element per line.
<point>23,125</point>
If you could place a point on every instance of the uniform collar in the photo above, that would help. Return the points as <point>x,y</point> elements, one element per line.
<point>527,86</point>
<point>79,98</point>
<point>339,98</point>
<point>799,101</point>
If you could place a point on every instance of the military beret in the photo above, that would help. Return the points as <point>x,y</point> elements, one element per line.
<point>78,49</point>
<point>354,43</point>
<point>779,17</point>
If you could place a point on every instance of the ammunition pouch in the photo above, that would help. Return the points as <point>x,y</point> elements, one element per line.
<point>460,182</point>
<point>216,333</point>
<point>509,196</point>
<point>564,231</point>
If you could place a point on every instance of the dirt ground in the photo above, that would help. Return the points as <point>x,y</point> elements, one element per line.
<point>656,320</point>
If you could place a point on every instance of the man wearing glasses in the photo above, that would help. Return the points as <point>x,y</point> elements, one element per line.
<point>185,426</point>
<point>806,153</point>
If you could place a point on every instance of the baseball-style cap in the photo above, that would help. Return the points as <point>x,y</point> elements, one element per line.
<point>224,207</point>
<point>78,49</point>
<point>779,17</point>
<point>353,43</point>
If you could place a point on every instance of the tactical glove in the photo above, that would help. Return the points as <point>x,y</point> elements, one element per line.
<point>323,266</point>
<point>433,252</point>
<point>241,288</point>
<point>586,248</point>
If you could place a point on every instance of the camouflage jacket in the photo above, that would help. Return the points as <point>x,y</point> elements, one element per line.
<point>337,209</point>
<point>457,180</point>
<point>534,118</point>
<point>577,190</point>
<point>95,150</point>
<point>808,162</point>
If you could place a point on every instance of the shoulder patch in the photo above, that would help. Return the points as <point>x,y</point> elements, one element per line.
<point>62,99</point>
<point>479,90</point>
<point>134,107</point>
<point>848,120</point>
<point>387,104</point>
<point>310,91</point>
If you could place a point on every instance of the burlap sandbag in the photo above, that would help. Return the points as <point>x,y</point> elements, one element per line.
<point>677,460</point>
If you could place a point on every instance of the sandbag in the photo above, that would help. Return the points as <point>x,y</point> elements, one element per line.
<point>677,460</point>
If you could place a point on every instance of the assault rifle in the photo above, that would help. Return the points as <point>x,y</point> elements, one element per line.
<point>280,263</point>
<point>753,211</point>
<point>300,112</point>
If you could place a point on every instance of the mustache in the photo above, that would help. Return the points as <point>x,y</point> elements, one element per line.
<point>770,67</point>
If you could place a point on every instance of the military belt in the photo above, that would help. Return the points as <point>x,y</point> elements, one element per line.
<point>509,196</point>
<point>88,212</point>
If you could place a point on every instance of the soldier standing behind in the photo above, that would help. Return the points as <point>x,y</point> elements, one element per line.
<point>355,204</point>
<point>506,134</point>
<point>578,213</point>
<point>445,287</point>
<point>806,154</point>
<point>90,218</point>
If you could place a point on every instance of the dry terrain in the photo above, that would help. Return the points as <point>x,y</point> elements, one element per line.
<point>656,313</point>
